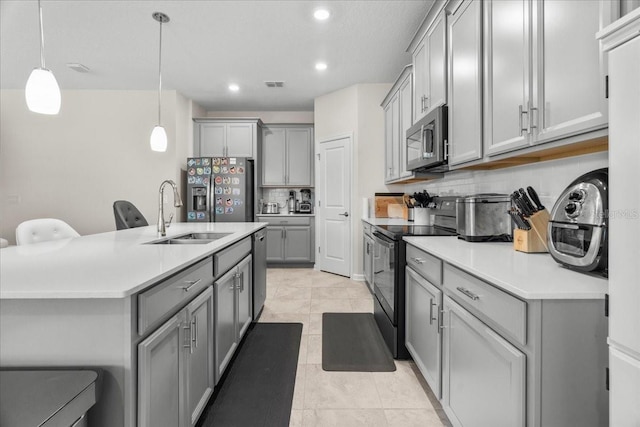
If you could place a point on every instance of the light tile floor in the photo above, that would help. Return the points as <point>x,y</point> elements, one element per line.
<point>345,399</point>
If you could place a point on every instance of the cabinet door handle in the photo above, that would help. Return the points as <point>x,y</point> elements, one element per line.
<point>241,282</point>
<point>194,336</point>
<point>190,339</point>
<point>190,284</point>
<point>468,293</point>
<point>530,117</point>
<point>521,112</point>
<point>431,311</point>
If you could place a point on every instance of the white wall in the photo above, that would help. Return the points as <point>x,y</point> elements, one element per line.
<point>288,117</point>
<point>356,111</point>
<point>73,166</point>
<point>549,178</point>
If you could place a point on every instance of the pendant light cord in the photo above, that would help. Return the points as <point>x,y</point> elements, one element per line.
<point>41,36</point>
<point>159,72</point>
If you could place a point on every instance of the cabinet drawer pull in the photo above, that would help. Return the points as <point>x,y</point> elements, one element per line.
<point>468,293</point>
<point>418,260</point>
<point>190,284</point>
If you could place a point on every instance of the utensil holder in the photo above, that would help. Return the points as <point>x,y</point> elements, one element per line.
<point>422,216</point>
<point>534,240</point>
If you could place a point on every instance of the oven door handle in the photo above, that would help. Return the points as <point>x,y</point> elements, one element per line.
<point>382,240</point>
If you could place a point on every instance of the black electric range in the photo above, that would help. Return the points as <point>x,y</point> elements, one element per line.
<point>389,271</point>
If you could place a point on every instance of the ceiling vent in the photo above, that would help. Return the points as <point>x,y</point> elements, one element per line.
<point>274,84</point>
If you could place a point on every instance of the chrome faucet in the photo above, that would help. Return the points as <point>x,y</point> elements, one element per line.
<point>177,202</point>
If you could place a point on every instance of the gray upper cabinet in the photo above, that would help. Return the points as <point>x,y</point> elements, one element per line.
<point>484,375</point>
<point>398,108</point>
<point>226,137</point>
<point>545,73</point>
<point>507,35</point>
<point>287,156</point>
<point>465,83</point>
<point>430,68</point>
<point>569,89</point>
<point>392,139</point>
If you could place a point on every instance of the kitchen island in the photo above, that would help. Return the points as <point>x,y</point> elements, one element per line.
<point>97,300</point>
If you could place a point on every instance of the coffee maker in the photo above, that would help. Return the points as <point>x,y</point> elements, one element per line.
<point>305,202</point>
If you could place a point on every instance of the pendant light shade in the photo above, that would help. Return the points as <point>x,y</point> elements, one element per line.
<point>42,92</point>
<point>158,140</point>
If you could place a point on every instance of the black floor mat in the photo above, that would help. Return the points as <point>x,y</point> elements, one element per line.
<point>258,387</point>
<point>353,342</point>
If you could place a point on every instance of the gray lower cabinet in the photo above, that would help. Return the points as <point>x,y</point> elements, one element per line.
<point>503,360</point>
<point>290,240</point>
<point>233,313</point>
<point>175,367</point>
<point>484,375</point>
<point>423,338</point>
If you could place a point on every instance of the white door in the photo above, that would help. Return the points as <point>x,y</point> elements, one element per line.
<point>334,206</point>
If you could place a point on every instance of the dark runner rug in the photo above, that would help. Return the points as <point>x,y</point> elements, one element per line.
<point>353,342</point>
<point>257,389</point>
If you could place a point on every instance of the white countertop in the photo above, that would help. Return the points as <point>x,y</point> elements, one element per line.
<point>529,276</point>
<point>106,265</point>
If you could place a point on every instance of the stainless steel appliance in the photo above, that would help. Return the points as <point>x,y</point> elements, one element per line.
<point>259,271</point>
<point>305,201</point>
<point>270,208</point>
<point>578,227</point>
<point>292,202</point>
<point>219,189</point>
<point>484,218</point>
<point>389,268</point>
<point>427,146</point>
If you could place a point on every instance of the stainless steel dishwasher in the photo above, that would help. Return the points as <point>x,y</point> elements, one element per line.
<point>259,271</point>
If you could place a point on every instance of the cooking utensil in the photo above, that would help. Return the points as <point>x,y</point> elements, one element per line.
<point>534,197</point>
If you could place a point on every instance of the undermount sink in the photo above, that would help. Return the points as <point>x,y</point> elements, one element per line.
<point>190,239</point>
<point>201,236</point>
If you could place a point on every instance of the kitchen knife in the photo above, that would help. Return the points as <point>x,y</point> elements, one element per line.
<point>525,198</point>
<point>525,223</point>
<point>535,198</point>
<point>517,199</point>
<point>515,219</point>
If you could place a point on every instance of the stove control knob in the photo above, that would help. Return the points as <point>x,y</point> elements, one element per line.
<point>576,195</point>
<point>571,209</point>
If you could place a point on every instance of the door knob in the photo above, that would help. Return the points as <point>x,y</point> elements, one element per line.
<point>345,214</point>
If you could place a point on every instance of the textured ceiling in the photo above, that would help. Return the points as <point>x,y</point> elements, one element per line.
<point>209,44</point>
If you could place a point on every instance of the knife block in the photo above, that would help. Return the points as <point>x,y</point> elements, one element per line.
<point>534,240</point>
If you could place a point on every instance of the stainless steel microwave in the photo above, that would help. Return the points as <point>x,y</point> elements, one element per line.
<point>427,146</point>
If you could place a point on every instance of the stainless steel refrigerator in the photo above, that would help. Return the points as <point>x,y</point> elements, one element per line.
<point>219,189</point>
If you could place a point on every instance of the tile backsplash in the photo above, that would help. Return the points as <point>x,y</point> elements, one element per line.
<point>549,178</point>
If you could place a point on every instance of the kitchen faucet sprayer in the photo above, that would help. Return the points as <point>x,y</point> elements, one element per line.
<point>177,202</point>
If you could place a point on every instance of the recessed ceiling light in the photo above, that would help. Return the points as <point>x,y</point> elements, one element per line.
<point>321,14</point>
<point>321,66</point>
<point>234,87</point>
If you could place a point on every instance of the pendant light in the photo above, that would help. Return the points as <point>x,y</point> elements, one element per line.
<point>42,92</point>
<point>158,139</point>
